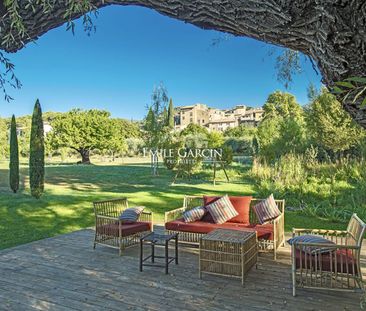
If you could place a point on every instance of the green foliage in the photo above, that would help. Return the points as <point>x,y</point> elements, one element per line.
<point>312,92</point>
<point>14,157</point>
<point>352,89</point>
<point>86,130</point>
<point>288,65</point>
<point>117,144</point>
<point>330,126</point>
<point>283,128</point>
<point>3,139</point>
<point>24,123</point>
<point>240,146</point>
<point>173,142</point>
<point>227,155</point>
<point>36,153</point>
<point>155,123</point>
<point>281,104</point>
<point>215,139</point>
<point>171,114</point>
<point>194,129</point>
<point>268,133</point>
<point>7,76</point>
<point>329,190</point>
<point>134,146</point>
<point>241,131</point>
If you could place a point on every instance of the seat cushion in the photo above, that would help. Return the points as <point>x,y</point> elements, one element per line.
<point>263,231</point>
<point>221,210</point>
<point>194,227</point>
<point>342,259</point>
<point>311,238</point>
<point>127,229</point>
<point>240,203</point>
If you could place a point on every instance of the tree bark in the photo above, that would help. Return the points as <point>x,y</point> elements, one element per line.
<point>331,32</point>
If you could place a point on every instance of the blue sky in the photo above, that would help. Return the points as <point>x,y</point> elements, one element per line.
<point>134,49</point>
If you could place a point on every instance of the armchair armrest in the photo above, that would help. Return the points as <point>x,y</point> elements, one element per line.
<point>324,232</point>
<point>174,214</point>
<point>107,217</point>
<point>146,216</point>
<point>327,245</point>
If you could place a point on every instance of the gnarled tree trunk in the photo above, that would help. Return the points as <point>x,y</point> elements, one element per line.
<point>331,32</point>
<point>85,156</point>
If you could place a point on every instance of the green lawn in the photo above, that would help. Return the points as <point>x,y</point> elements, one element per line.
<point>70,190</point>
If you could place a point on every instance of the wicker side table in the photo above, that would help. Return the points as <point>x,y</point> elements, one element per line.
<point>228,252</point>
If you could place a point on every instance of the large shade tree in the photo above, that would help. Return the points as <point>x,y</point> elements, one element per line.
<point>331,33</point>
<point>82,131</point>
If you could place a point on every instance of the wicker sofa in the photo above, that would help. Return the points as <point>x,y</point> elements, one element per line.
<point>109,229</point>
<point>270,235</point>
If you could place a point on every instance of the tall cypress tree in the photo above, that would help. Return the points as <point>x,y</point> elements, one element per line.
<point>14,157</point>
<point>171,114</point>
<point>36,154</point>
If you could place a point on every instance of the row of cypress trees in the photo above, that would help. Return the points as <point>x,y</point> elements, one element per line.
<point>36,155</point>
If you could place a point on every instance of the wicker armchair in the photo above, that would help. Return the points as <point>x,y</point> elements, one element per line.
<point>111,232</point>
<point>336,269</point>
<point>264,245</point>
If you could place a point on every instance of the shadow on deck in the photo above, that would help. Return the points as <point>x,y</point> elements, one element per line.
<point>65,273</point>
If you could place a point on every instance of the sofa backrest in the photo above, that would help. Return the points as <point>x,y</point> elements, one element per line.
<point>240,203</point>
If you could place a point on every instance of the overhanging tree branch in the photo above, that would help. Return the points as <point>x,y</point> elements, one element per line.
<point>331,32</point>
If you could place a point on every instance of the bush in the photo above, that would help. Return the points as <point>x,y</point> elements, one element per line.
<point>134,146</point>
<point>240,146</point>
<point>227,155</point>
<point>333,190</point>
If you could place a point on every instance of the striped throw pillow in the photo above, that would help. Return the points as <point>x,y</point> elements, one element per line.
<point>194,214</point>
<point>266,210</point>
<point>221,210</point>
<point>310,238</point>
<point>131,214</point>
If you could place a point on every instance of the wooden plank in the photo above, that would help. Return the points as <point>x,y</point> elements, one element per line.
<point>65,272</point>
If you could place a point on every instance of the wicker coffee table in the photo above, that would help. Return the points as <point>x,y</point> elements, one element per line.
<point>228,252</point>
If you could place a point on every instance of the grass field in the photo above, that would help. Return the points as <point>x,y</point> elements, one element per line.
<point>70,190</point>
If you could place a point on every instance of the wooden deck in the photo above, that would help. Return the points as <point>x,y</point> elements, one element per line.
<point>65,273</point>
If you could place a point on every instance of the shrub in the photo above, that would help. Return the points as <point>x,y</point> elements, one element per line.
<point>333,190</point>
<point>240,146</point>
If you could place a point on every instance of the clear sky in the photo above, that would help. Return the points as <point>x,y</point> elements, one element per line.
<point>134,49</point>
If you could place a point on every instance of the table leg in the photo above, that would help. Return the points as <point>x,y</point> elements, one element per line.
<point>141,253</point>
<point>152,252</point>
<point>166,257</point>
<point>176,250</point>
<point>242,267</point>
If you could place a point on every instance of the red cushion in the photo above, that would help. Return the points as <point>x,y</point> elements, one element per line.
<point>127,229</point>
<point>195,227</point>
<point>263,231</point>
<point>344,258</point>
<point>240,203</point>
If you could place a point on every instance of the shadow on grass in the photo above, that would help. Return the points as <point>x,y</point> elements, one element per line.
<point>70,190</point>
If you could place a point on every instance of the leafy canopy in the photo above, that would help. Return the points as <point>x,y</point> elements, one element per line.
<point>82,130</point>
<point>330,126</point>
